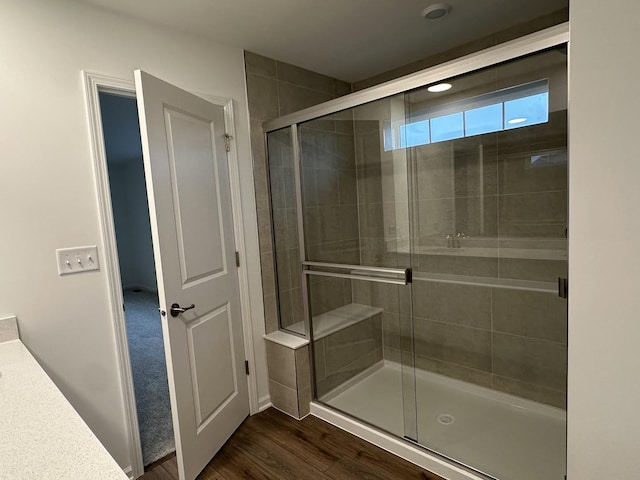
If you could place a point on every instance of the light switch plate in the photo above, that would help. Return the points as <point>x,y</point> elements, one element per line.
<point>77,259</point>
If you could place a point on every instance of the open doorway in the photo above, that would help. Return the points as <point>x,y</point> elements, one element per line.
<point>138,275</point>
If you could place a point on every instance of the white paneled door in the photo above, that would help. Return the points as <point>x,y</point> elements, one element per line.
<point>185,160</point>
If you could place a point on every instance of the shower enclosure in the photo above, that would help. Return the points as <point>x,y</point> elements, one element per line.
<point>420,238</point>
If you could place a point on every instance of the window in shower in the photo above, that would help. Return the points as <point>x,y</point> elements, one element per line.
<point>514,107</point>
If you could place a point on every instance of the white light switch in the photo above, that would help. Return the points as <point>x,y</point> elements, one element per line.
<point>77,259</point>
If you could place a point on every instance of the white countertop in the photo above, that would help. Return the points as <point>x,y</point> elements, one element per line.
<point>41,436</point>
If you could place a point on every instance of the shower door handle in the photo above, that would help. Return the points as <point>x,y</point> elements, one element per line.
<point>176,309</point>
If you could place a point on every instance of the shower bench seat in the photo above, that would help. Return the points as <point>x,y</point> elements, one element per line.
<point>338,319</point>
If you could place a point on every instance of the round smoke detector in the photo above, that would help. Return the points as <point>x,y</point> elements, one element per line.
<point>436,11</point>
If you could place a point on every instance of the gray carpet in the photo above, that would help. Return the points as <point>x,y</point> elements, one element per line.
<point>146,348</point>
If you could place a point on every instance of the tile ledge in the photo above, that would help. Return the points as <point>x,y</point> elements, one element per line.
<point>286,339</point>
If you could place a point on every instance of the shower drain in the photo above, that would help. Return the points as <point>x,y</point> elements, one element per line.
<point>446,419</point>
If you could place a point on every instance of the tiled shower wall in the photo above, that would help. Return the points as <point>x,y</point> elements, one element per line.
<point>274,89</point>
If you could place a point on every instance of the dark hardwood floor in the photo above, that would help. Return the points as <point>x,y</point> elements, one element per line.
<point>274,446</point>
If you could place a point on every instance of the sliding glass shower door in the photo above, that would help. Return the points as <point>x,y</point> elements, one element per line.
<point>356,220</point>
<point>434,241</point>
<point>488,161</point>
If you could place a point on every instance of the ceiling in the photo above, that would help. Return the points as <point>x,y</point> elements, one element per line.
<point>346,39</point>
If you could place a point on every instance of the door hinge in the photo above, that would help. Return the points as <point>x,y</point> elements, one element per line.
<point>237,259</point>
<point>227,142</point>
<point>563,287</point>
<point>246,366</point>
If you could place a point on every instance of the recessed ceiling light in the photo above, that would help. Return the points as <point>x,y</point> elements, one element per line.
<point>513,121</point>
<point>436,11</point>
<point>441,87</point>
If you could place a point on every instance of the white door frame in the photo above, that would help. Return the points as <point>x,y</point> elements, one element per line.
<point>93,84</point>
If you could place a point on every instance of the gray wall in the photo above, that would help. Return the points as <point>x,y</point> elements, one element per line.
<point>274,89</point>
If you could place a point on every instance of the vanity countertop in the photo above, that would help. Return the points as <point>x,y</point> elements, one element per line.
<point>41,435</point>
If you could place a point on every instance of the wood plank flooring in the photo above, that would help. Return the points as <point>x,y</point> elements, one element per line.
<point>274,446</point>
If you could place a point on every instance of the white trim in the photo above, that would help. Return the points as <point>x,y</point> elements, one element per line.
<point>401,448</point>
<point>265,402</point>
<point>238,228</point>
<point>92,82</point>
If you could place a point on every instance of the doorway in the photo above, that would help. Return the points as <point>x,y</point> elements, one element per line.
<point>138,275</point>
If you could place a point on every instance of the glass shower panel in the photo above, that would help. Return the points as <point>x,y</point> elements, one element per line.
<point>284,221</point>
<point>489,209</point>
<point>357,231</point>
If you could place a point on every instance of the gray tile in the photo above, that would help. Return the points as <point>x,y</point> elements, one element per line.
<point>281,364</point>
<point>375,294</point>
<point>517,175</point>
<point>284,398</point>
<point>345,151</point>
<point>305,78</point>
<point>464,346</point>
<point>541,270</point>
<point>259,65</point>
<point>347,186</point>
<point>348,221</point>
<point>264,230</point>
<point>434,171</point>
<point>367,146</point>
<point>262,96</point>
<point>392,354</point>
<point>349,344</point>
<point>304,402</point>
<point>318,359</point>
<point>303,369</point>
<point>533,214</point>
<point>326,295</point>
<point>258,147</point>
<point>454,371</point>
<point>347,372</point>
<point>458,265</point>
<point>537,393</point>
<point>277,187</point>
<point>370,184</point>
<point>449,303</point>
<point>283,271</point>
<point>327,188</point>
<point>436,217</point>
<point>371,220</point>
<point>530,360</point>
<point>294,98</point>
<point>341,88</point>
<point>295,268</point>
<point>476,216</point>
<point>286,309</point>
<point>530,314</point>
<point>291,232</point>
<point>476,168</point>
<point>270,313</point>
<point>268,274</point>
<point>261,185</point>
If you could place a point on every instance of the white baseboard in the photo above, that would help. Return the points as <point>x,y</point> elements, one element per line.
<point>129,472</point>
<point>264,402</point>
<point>402,449</point>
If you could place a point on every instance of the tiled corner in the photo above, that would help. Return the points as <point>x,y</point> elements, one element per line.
<point>289,376</point>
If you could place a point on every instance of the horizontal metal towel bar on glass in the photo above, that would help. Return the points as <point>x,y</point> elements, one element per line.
<point>355,269</point>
